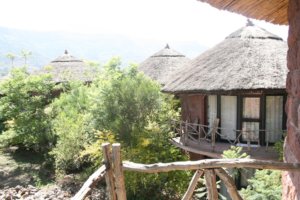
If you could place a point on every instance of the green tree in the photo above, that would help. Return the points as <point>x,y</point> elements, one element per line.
<point>25,54</point>
<point>126,101</point>
<point>73,125</point>
<point>12,58</point>
<point>265,185</point>
<point>24,107</point>
<point>125,106</point>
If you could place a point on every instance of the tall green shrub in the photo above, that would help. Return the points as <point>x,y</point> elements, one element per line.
<point>73,126</point>
<point>23,106</point>
<point>125,101</point>
<point>125,106</point>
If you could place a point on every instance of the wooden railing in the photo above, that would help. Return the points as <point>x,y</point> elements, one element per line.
<point>113,168</point>
<point>199,133</point>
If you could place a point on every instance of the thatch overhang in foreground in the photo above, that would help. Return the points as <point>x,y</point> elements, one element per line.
<point>67,68</point>
<point>274,11</point>
<point>162,65</point>
<point>250,59</point>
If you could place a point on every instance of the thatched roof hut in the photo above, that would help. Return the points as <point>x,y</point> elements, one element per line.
<point>274,11</point>
<point>162,65</point>
<point>281,12</point>
<point>66,67</point>
<point>251,58</point>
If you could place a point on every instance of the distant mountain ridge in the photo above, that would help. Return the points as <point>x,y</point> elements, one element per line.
<point>46,46</point>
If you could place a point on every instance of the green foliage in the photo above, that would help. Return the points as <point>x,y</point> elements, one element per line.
<point>73,126</point>
<point>278,146</point>
<point>23,106</point>
<point>126,101</point>
<point>265,185</point>
<point>155,147</point>
<point>124,106</point>
<point>235,152</point>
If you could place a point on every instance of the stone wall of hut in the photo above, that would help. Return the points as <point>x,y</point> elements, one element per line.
<point>291,180</point>
<point>193,108</point>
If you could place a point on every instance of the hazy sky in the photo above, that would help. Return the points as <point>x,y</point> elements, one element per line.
<point>165,20</point>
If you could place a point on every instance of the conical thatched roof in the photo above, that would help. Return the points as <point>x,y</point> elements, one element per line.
<point>67,67</point>
<point>249,59</point>
<point>274,11</point>
<point>162,65</point>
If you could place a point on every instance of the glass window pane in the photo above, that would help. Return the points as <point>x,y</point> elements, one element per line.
<point>251,107</point>
<point>250,131</point>
<point>274,113</point>
<point>228,116</point>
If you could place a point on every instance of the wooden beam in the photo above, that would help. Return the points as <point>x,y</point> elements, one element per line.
<point>211,184</point>
<point>210,163</point>
<point>90,183</point>
<point>229,183</point>
<point>118,172</point>
<point>110,185</point>
<point>189,193</point>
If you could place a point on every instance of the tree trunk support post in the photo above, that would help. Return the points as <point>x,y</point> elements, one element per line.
<point>211,185</point>
<point>109,176</point>
<point>118,171</point>
<point>189,193</point>
<point>229,183</point>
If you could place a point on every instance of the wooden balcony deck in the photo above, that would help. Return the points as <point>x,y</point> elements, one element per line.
<point>205,148</point>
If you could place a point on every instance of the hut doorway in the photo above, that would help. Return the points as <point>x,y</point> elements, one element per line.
<point>250,120</point>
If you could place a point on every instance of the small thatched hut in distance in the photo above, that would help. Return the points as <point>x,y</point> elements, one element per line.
<point>240,81</point>
<point>162,65</point>
<point>67,67</point>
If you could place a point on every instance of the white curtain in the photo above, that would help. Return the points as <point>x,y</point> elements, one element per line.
<point>251,107</point>
<point>274,113</point>
<point>228,116</point>
<point>211,109</point>
<point>250,131</point>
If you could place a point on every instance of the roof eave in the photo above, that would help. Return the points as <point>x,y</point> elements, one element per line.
<point>230,92</point>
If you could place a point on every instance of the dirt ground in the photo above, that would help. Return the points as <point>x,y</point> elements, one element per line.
<point>23,168</point>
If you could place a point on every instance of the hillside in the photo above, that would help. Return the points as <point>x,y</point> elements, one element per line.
<point>46,46</point>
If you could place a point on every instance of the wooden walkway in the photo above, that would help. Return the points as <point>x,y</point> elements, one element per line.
<point>204,148</point>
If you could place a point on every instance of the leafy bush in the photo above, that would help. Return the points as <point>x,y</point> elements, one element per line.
<point>235,152</point>
<point>278,146</point>
<point>125,101</point>
<point>72,125</point>
<point>23,106</point>
<point>266,184</point>
<point>125,106</point>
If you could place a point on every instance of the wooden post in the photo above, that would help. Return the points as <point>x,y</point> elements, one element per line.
<point>109,177</point>
<point>213,133</point>
<point>229,183</point>
<point>188,194</point>
<point>248,143</point>
<point>185,133</point>
<point>211,184</point>
<point>118,171</point>
<point>90,183</point>
<point>181,132</point>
